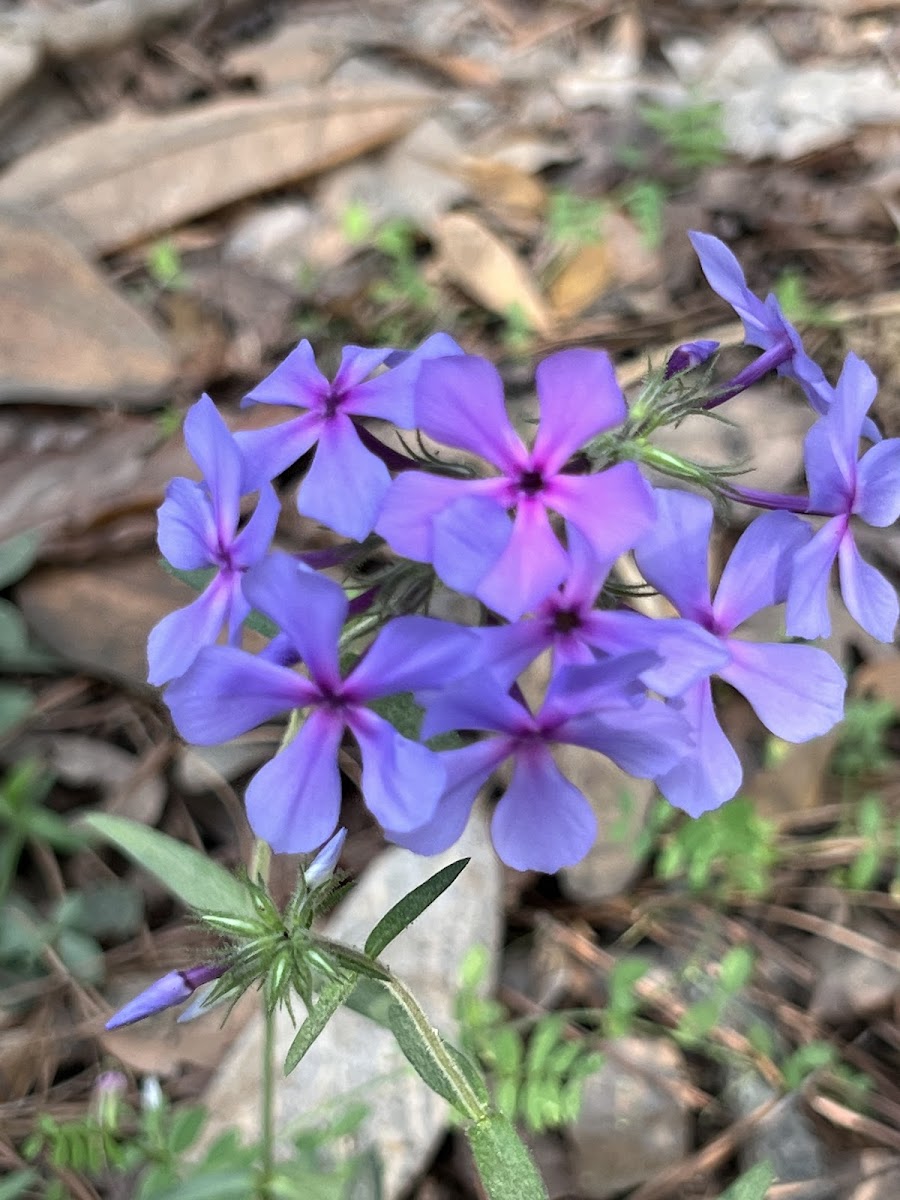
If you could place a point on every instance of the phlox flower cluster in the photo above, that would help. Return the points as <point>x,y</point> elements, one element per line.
<point>531,525</point>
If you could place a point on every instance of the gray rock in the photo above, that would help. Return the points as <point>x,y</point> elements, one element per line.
<point>785,1136</point>
<point>274,241</point>
<point>19,59</point>
<point>632,1121</point>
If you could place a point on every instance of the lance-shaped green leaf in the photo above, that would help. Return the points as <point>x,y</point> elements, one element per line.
<point>753,1184</point>
<point>350,959</point>
<point>188,874</point>
<point>413,904</point>
<point>329,1001</point>
<point>504,1164</point>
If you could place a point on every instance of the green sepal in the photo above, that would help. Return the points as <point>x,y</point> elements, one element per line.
<point>185,872</point>
<point>346,956</point>
<point>413,904</point>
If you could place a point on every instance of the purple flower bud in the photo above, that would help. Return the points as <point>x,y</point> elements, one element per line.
<point>109,1089</point>
<point>689,355</point>
<point>322,866</point>
<point>172,989</point>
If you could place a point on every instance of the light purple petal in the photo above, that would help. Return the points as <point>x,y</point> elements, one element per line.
<point>391,395</point>
<point>758,573</point>
<point>644,742</point>
<point>532,564</point>
<point>215,452</point>
<point>480,702</point>
<point>806,615</point>
<point>673,555</point>
<point>177,639</point>
<point>878,484</point>
<point>323,865</point>
<point>411,653</point>
<point>831,488</point>
<point>228,691</point>
<point>578,689</point>
<point>725,276</point>
<point>293,802</point>
<point>587,572</point>
<point>310,608</point>
<point>268,452</point>
<point>469,537</point>
<point>542,822</point>
<point>710,773</point>
<point>687,651</point>
<point>612,509</point>
<point>506,650</point>
<point>796,691</point>
<point>870,599</point>
<point>254,540</point>
<point>357,364</point>
<point>409,508</point>
<point>579,398</point>
<point>853,397</point>
<point>161,994</point>
<point>187,531</point>
<point>459,402</point>
<point>402,780</point>
<point>346,485</point>
<point>296,382</point>
<point>468,769</point>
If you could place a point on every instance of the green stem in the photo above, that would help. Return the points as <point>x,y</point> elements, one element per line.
<point>267,1115</point>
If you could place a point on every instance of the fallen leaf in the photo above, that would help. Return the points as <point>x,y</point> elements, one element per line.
<point>484,267</point>
<point>583,279</point>
<point>136,174</point>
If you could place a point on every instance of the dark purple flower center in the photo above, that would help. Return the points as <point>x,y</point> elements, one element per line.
<point>531,482</point>
<point>565,620</point>
<point>332,402</point>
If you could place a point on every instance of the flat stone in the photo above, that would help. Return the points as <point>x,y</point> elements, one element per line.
<point>66,335</point>
<point>632,1123</point>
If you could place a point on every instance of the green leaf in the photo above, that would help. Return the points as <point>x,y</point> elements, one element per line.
<point>81,954</point>
<point>217,1185</point>
<point>13,632</point>
<point>15,1185</point>
<point>736,968</point>
<point>426,1052</point>
<point>350,959</point>
<point>504,1164</point>
<point>15,705</point>
<point>185,1129</point>
<point>328,1002</point>
<point>188,874</point>
<point>411,906</point>
<point>16,557</point>
<point>752,1185</point>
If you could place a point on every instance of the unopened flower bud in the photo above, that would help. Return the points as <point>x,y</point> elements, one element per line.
<point>109,1089</point>
<point>689,355</point>
<point>322,866</point>
<point>171,989</point>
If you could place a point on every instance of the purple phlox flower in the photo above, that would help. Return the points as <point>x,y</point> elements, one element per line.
<point>796,691</point>
<point>462,526</point>
<point>174,988</point>
<point>543,822</point>
<point>689,355</point>
<point>766,327</point>
<point>294,800</point>
<point>578,633</point>
<point>346,483</point>
<point>844,485</point>
<point>198,527</point>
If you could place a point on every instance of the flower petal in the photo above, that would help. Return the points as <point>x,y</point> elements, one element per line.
<point>228,691</point>
<point>391,395</point>
<point>296,382</point>
<point>459,402</point>
<point>346,485</point>
<point>254,540</point>
<point>411,653</point>
<point>469,538</point>
<point>579,398</point>
<point>402,780</point>
<point>806,615</point>
<point>644,742</point>
<point>870,599</point>
<point>796,691</point>
<point>531,565</point>
<point>357,364</point>
<point>479,702</point>
<point>710,773</point>
<point>468,769</point>
<point>542,822</point>
<point>687,652</point>
<point>758,573</point>
<point>831,483</point>
<point>215,452</point>
<point>310,608</point>
<point>878,484</point>
<point>413,501</point>
<point>177,639</point>
<point>612,509</point>
<point>294,801</point>
<point>673,554</point>
<point>187,531</point>
<point>725,276</point>
<point>506,650</point>
<point>853,397</point>
<point>268,452</point>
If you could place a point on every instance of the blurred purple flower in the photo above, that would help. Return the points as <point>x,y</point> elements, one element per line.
<point>462,526</point>
<point>840,485</point>
<point>294,800</point>
<point>198,527</point>
<point>174,988</point>
<point>796,691</point>
<point>543,822</point>
<point>346,483</point>
<point>689,355</point>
